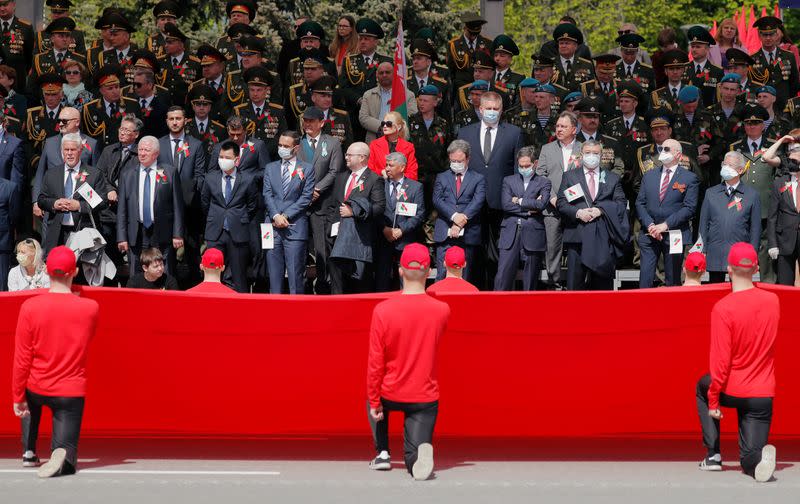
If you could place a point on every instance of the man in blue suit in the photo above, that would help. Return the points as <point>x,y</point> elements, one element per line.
<point>9,213</point>
<point>399,229</point>
<point>494,148</point>
<point>229,200</point>
<point>288,189</point>
<point>525,196</point>
<point>458,195</point>
<point>731,213</point>
<point>12,155</point>
<point>592,206</point>
<point>667,201</point>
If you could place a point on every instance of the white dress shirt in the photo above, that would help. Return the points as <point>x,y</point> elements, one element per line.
<point>774,54</point>
<point>493,134</point>
<point>152,191</point>
<point>728,186</point>
<point>566,153</point>
<point>178,57</point>
<point>564,61</point>
<point>750,144</point>
<point>664,174</point>
<point>233,180</point>
<point>172,139</point>
<point>358,173</point>
<point>794,190</point>
<point>147,101</point>
<point>76,170</point>
<point>203,122</point>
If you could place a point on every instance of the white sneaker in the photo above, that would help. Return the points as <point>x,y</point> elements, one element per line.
<point>766,467</point>
<point>423,467</point>
<point>53,466</point>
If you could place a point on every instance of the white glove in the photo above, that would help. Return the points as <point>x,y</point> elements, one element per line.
<point>773,253</point>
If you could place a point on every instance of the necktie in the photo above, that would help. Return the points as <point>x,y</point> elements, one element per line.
<point>487,145</point>
<point>675,94</point>
<point>201,127</point>
<point>698,70</point>
<point>366,60</point>
<point>729,191</point>
<point>499,76</point>
<point>351,185</point>
<point>628,124</point>
<point>628,74</point>
<point>771,58</point>
<point>147,218</point>
<point>69,188</point>
<point>258,112</point>
<point>144,104</point>
<point>592,188</point>
<point>662,193</point>
<point>60,58</point>
<point>228,188</point>
<point>569,66</point>
<point>458,183</point>
<point>52,115</point>
<point>6,27</point>
<point>176,141</point>
<point>120,56</point>
<point>174,62</point>
<point>421,83</point>
<point>606,87</point>
<point>313,142</point>
<point>112,110</point>
<point>754,146</point>
<point>393,194</point>
<point>286,177</point>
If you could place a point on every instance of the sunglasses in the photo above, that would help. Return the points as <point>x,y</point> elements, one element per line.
<point>387,124</point>
<point>63,121</point>
<point>623,32</point>
<point>665,149</point>
<point>72,72</point>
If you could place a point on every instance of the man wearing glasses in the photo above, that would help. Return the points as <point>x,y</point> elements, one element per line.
<point>60,32</point>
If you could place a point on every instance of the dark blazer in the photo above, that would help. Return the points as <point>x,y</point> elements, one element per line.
<point>253,158</point>
<point>372,194</point>
<point>469,201</point>
<point>191,168</point>
<point>679,205</point>
<point>783,220</point>
<point>12,159</point>
<point>112,166</point>
<point>51,158</point>
<point>609,188</point>
<point>328,162</point>
<point>528,215</point>
<point>501,164</point>
<point>240,210</point>
<point>53,189</point>
<point>155,116</point>
<point>409,191</point>
<point>168,207</point>
<point>294,205</point>
<point>721,227</point>
<point>10,203</point>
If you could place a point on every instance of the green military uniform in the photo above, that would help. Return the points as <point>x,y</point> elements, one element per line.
<point>596,89</point>
<point>793,110</point>
<point>780,69</point>
<point>732,127</point>
<point>156,44</point>
<point>17,40</point>
<point>639,72</point>
<point>702,130</point>
<point>414,83</point>
<point>178,78</point>
<point>338,125</point>
<point>507,80</point>
<point>43,44</point>
<point>464,118</point>
<point>358,77</point>
<point>214,133</point>
<point>266,127</point>
<point>430,145</point>
<point>461,52</point>
<point>226,44</point>
<point>629,141</point>
<point>705,77</point>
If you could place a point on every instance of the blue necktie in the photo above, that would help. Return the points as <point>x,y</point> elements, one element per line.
<point>69,188</point>
<point>228,190</point>
<point>147,218</point>
<point>286,177</point>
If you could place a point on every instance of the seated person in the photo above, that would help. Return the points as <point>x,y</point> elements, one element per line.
<point>152,276</point>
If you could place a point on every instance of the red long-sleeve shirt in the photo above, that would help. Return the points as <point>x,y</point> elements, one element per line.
<point>744,326</point>
<point>451,285</point>
<point>403,341</point>
<point>51,344</point>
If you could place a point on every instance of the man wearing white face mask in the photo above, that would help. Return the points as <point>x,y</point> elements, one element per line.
<point>731,213</point>
<point>229,201</point>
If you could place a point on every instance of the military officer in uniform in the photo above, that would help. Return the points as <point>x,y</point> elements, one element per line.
<point>165,11</point>
<point>311,36</point>
<point>16,37</point>
<point>59,32</point>
<point>727,113</point>
<point>504,49</point>
<point>589,112</point>
<point>697,127</point>
<point>701,73</point>
<point>299,95</point>
<point>42,121</point>
<point>630,130</point>
<point>777,124</point>
<point>758,174</point>
<point>251,50</point>
<point>59,9</point>
<point>674,62</point>
<point>265,120</point>
<point>544,119</point>
<point>235,33</point>
<point>359,70</point>
<point>202,125</point>
<point>335,121</point>
<point>543,70</point>
<point>104,42</point>
<point>739,62</point>
<point>483,69</point>
<point>571,70</point>
<point>777,66</point>
<point>471,115</point>
<point>123,49</point>
<point>212,66</point>
<point>523,114</point>
<point>238,11</point>
<point>630,68</point>
<point>461,50</point>
<point>437,69</point>
<point>650,156</point>
<point>102,117</point>
<point>181,67</point>
<point>604,85</point>
<point>422,73</point>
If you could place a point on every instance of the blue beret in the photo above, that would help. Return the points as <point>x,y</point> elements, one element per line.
<point>528,82</point>
<point>429,90</point>
<point>479,85</point>
<point>731,77</point>
<point>546,88</point>
<point>689,94</point>
<point>573,96</point>
<point>767,89</point>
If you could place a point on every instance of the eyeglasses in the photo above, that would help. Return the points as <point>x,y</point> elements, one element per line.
<point>623,32</point>
<point>387,124</point>
<point>127,130</point>
<point>62,121</point>
<point>351,155</point>
<point>72,72</point>
<point>665,149</point>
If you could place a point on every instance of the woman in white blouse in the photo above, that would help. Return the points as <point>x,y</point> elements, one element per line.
<point>31,272</point>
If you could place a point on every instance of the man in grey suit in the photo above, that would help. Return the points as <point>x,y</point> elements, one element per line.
<point>324,152</point>
<point>558,156</point>
<point>494,145</point>
<point>375,102</point>
<point>288,189</point>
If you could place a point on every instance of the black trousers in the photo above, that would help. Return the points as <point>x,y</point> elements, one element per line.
<point>754,415</point>
<point>420,419</point>
<point>387,263</point>
<point>581,278</point>
<point>321,250</point>
<point>716,276</point>
<point>67,416</point>
<point>347,277</point>
<point>785,264</point>
<point>109,232</point>
<point>237,258</point>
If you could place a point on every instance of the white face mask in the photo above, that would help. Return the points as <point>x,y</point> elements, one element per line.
<point>284,153</point>
<point>226,164</point>
<point>591,160</point>
<point>24,259</point>
<point>457,167</point>
<point>727,173</point>
<point>666,157</point>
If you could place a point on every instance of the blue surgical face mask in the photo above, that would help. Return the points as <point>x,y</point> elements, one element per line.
<point>525,172</point>
<point>491,116</point>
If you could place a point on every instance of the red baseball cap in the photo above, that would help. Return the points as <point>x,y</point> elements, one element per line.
<point>61,262</point>
<point>415,253</point>
<point>455,257</point>
<point>213,258</point>
<point>695,261</point>
<point>743,255</point>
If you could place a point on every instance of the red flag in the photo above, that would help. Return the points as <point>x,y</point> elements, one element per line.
<point>763,12</point>
<point>398,102</point>
<point>714,29</point>
<point>752,42</point>
<point>778,13</point>
<point>741,25</point>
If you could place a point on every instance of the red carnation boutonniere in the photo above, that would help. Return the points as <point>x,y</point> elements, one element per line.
<point>298,173</point>
<point>679,187</point>
<point>183,148</point>
<point>249,145</point>
<point>360,186</point>
<point>161,176</point>
<point>500,85</point>
<point>706,75</point>
<point>87,146</point>
<point>574,160</point>
<point>705,134</point>
<point>786,186</point>
<point>736,203</point>
<point>82,176</point>
<point>401,193</point>
<point>438,138</point>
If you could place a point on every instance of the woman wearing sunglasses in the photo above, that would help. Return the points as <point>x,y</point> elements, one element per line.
<point>394,139</point>
<point>75,93</point>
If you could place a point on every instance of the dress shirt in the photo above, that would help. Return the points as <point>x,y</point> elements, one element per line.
<point>233,180</point>
<point>142,174</point>
<point>358,173</point>
<point>566,153</point>
<point>483,135</point>
<point>386,98</point>
<point>76,170</point>
<point>564,61</point>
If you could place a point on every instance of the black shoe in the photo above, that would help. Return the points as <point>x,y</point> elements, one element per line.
<point>383,462</point>
<point>711,464</point>
<point>29,459</point>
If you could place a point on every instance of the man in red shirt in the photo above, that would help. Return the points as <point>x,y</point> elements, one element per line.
<point>455,261</point>
<point>402,371</point>
<point>50,350</point>
<point>213,265</point>
<point>742,368</point>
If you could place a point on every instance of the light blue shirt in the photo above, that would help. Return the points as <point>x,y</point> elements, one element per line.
<point>386,98</point>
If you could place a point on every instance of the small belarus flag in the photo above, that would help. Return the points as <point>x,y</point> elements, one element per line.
<point>407,209</point>
<point>90,195</point>
<point>573,192</point>
<point>267,238</point>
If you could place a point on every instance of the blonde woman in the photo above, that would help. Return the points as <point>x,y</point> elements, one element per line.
<point>394,138</point>
<point>31,272</point>
<point>727,38</point>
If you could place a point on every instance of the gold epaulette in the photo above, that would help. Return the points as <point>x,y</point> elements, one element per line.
<point>276,106</point>
<point>341,112</point>
<point>349,69</point>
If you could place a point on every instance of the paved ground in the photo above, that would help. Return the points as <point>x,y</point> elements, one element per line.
<point>333,470</point>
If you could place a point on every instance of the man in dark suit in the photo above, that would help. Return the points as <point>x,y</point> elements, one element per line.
<point>494,146</point>
<point>12,155</point>
<point>229,201</point>
<point>525,196</point>
<point>17,40</point>
<point>402,221</point>
<point>288,190</point>
<point>731,213</point>
<point>596,228</point>
<point>150,209</point>
<point>783,221</point>
<point>10,207</point>
<point>67,211</point>
<point>324,152</point>
<point>358,202</point>
<point>459,195</point>
<point>667,201</point>
<point>153,105</point>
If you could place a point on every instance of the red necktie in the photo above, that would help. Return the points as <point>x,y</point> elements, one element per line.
<point>458,184</point>
<point>351,185</point>
<point>662,193</point>
<point>592,187</point>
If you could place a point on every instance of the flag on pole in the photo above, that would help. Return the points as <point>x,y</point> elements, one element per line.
<point>714,29</point>
<point>741,26</point>
<point>778,13</point>
<point>398,103</point>
<point>753,43</point>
